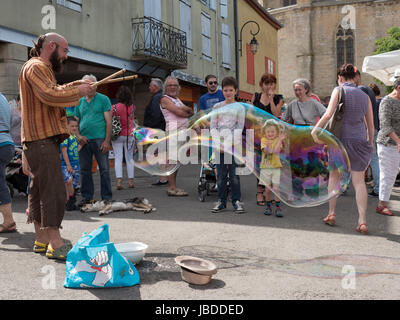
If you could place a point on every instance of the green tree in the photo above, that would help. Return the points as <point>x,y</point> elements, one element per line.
<point>390,42</point>
<point>386,44</point>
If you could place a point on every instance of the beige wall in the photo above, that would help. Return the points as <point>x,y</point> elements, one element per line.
<point>197,65</point>
<point>268,46</point>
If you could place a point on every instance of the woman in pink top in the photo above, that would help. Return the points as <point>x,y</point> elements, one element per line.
<point>125,141</point>
<point>176,115</point>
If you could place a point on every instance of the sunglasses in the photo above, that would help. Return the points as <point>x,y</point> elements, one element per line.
<point>213,82</point>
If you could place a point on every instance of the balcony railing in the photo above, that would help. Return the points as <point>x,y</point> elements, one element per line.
<point>156,40</point>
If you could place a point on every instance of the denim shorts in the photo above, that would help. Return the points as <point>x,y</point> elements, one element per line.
<point>75,175</point>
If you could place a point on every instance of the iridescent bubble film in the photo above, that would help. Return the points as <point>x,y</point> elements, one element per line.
<point>309,173</point>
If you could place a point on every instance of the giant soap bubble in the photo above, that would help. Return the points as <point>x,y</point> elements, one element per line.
<point>310,173</point>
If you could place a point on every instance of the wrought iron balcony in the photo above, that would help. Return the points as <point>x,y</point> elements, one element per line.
<point>156,41</point>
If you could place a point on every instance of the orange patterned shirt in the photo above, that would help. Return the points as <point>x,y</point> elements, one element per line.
<point>43,101</point>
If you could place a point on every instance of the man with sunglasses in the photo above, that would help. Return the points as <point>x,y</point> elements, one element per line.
<point>213,96</point>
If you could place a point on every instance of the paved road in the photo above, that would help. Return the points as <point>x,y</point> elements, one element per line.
<point>258,257</point>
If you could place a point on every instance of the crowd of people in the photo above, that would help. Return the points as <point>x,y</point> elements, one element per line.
<point>51,141</point>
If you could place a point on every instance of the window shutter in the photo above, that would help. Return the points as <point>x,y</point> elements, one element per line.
<point>226,46</point>
<point>251,77</point>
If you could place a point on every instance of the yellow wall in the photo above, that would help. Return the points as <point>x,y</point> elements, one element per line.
<point>268,45</point>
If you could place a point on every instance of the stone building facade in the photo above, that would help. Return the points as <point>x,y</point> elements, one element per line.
<point>319,35</point>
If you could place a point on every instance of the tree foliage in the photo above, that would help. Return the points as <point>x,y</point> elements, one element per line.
<point>390,42</point>
<point>386,44</point>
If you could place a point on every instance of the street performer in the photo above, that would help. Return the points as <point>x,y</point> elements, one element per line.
<point>43,128</point>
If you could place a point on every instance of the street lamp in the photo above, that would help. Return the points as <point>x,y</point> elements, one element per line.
<point>253,42</point>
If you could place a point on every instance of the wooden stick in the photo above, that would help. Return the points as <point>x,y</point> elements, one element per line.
<point>121,79</point>
<point>108,78</point>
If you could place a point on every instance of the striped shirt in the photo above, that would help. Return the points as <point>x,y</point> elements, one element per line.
<point>43,101</point>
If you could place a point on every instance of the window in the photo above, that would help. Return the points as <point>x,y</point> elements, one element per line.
<point>206,35</point>
<point>289,2</point>
<point>224,8</point>
<point>71,4</point>
<point>186,21</point>
<point>270,66</point>
<point>226,46</point>
<point>212,4</point>
<point>344,46</point>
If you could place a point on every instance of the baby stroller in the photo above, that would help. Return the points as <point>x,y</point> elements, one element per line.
<point>208,181</point>
<point>15,178</point>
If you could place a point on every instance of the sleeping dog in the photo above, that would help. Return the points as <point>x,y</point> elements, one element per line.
<point>107,207</point>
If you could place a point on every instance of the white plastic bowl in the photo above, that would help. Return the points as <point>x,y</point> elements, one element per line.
<point>134,251</point>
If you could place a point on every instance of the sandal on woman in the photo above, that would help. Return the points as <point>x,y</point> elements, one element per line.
<point>39,247</point>
<point>330,219</point>
<point>177,193</point>
<point>8,228</point>
<point>384,210</point>
<point>362,228</point>
<point>131,184</point>
<point>261,202</point>
<point>119,184</point>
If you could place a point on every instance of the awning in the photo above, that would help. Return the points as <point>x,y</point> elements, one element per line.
<point>382,66</point>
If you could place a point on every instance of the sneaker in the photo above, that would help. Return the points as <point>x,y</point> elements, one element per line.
<point>268,211</point>
<point>278,212</point>
<point>373,194</point>
<point>70,205</point>
<point>218,207</point>
<point>238,207</point>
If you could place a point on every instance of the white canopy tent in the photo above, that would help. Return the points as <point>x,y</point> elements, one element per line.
<point>383,66</point>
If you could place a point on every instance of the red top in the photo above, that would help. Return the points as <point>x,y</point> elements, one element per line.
<point>120,110</point>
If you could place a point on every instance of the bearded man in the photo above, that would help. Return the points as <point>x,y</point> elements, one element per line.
<point>43,128</point>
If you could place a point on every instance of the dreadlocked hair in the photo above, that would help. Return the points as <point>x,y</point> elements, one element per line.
<point>36,50</point>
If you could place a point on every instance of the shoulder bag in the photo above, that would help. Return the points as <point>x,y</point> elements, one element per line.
<point>335,123</point>
<point>116,124</point>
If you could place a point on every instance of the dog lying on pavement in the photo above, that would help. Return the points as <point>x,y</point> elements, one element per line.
<point>107,207</point>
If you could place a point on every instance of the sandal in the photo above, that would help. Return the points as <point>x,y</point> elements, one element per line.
<point>131,184</point>
<point>261,202</point>
<point>8,229</point>
<point>60,253</point>
<point>330,219</point>
<point>384,210</point>
<point>39,247</point>
<point>362,228</point>
<point>119,184</point>
<point>177,193</point>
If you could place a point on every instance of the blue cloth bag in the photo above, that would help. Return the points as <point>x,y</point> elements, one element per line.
<point>94,262</point>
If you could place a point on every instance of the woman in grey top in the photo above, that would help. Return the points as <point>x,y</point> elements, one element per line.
<point>304,111</point>
<point>357,124</point>
<point>388,143</point>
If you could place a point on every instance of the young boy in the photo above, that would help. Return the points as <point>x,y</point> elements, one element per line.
<point>230,119</point>
<point>70,164</point>
<point>270,166</point>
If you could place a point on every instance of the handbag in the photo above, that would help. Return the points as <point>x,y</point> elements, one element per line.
<point>335,123</point>
<point>116,124</point>
<point>94,262</point>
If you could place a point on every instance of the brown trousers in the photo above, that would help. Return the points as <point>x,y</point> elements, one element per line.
<point>46,200</point>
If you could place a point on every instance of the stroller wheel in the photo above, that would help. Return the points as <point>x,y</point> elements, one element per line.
<point>202,195</point>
